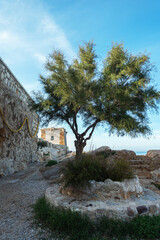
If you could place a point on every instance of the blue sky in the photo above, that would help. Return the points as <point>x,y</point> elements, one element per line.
<point>31,29</point>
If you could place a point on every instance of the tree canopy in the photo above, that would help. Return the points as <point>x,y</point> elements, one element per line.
<point>118,95</point>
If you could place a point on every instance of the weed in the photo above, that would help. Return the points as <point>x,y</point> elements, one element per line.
<point>62,220</point>
<point>51,163</point>
<point>77,226</point>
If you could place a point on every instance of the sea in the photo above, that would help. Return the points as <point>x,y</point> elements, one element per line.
<point>140,153</point>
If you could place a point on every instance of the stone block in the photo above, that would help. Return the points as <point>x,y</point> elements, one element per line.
<point>142,209</point>
<point>130,212</point>
<point>152,209</point>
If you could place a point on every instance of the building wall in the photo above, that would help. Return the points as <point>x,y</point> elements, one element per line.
<point>16,149</point>
<point>54,135</point>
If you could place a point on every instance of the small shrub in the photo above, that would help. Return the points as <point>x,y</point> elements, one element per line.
<point>46,154</point>
<point>51,163</point>
<point>41,144</point>
<point>120,170</point>
<point>77,173</point>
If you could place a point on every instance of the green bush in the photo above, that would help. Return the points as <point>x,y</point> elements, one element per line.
<point>41,144</point>
<point>77,173</point>
<point>120,170</point>
<point>46,154</point>
<point>76,226</point>
<point>51,163</point>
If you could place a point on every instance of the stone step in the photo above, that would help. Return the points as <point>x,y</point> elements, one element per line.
<point>142,157</point>
<point>143,166</point>
<point>139,162</point>
<point>143,174</point>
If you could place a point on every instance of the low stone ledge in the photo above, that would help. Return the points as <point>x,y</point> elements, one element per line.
<point>147,204</point>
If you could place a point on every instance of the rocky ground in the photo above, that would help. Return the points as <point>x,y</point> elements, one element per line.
<point>18,192</point>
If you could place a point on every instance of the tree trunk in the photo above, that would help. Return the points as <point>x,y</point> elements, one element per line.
<point>79,148</point>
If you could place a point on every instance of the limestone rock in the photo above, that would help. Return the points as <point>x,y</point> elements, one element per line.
<point>117,190</point>
<point>52,153</point>
<point>126,154</point>
<point>51,173</point>
<point>153,209</point>
<point>153,154</point>
<point>101,149</point>
<point>130,212</point>
<point>156,175</point>
<point>107,190</point>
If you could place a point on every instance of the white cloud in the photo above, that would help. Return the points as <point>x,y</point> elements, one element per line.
<point>29,33</point>
<point>41,58</point>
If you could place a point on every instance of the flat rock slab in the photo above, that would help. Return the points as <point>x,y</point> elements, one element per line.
<point>147,204</point>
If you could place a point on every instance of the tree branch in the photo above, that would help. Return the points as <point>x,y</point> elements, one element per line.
<point>72,127</point>
<point>90,133</point>
<point>92,125</point>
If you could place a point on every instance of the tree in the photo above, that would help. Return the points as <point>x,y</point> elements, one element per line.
<point>119,94</point>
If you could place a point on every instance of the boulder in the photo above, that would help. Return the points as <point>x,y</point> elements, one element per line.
<point>153,154</point>
<point>102,149</point>
<point>126,154</point>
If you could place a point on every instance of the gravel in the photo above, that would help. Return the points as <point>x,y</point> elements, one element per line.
<point>18,193</point>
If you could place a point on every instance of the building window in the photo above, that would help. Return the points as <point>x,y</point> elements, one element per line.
<point>52,137</point>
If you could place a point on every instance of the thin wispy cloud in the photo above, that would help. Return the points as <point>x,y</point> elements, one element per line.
<point>28,33</point>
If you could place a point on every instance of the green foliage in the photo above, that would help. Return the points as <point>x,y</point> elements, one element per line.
<point>146,227</point>
<point>77,173</point>
<point>76,226</point>
<point>41,144</point>
<point>46,154</point>
<point>51,163</point>
<point>63,220</point>
<point>118,95</point>
<point>156,185</point>
<point>120,170</point>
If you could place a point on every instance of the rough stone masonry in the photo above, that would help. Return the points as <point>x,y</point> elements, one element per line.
<point>16,149</point>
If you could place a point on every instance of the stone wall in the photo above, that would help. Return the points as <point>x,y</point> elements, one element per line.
<point>16,149</point>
